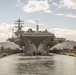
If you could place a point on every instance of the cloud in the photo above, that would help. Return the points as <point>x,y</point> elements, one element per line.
<point>35,6</point>
<point>33,22</point>
<point>5,28</point>
<point>65,33</point>
<point>19,3</point>
<point>48,11</point>
<point>5,31</point>
<point>45,5</point>
<point>54,4</point>
<point>67,15</point>
<point>70,4</point>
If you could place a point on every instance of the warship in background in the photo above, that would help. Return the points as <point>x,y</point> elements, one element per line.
<point>34,42</point>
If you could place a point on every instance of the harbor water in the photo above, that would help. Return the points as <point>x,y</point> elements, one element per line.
<point>38,65</point>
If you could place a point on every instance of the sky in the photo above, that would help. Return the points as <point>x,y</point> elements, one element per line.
<point>58,16</point>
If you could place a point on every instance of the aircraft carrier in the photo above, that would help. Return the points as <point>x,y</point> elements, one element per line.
<point>33,42</point>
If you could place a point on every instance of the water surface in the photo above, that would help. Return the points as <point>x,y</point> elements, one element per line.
<point>38,65</point>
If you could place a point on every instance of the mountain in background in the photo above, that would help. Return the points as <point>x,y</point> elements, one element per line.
<point>9,45</point>
<point>64,45</point>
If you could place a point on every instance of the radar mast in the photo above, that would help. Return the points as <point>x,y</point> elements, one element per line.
<point>19,23</point>
<point>19,27</point>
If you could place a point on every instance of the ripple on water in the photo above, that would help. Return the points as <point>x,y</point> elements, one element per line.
<point>38,65</point>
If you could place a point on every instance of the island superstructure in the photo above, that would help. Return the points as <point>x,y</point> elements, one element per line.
<point>33,42</point>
